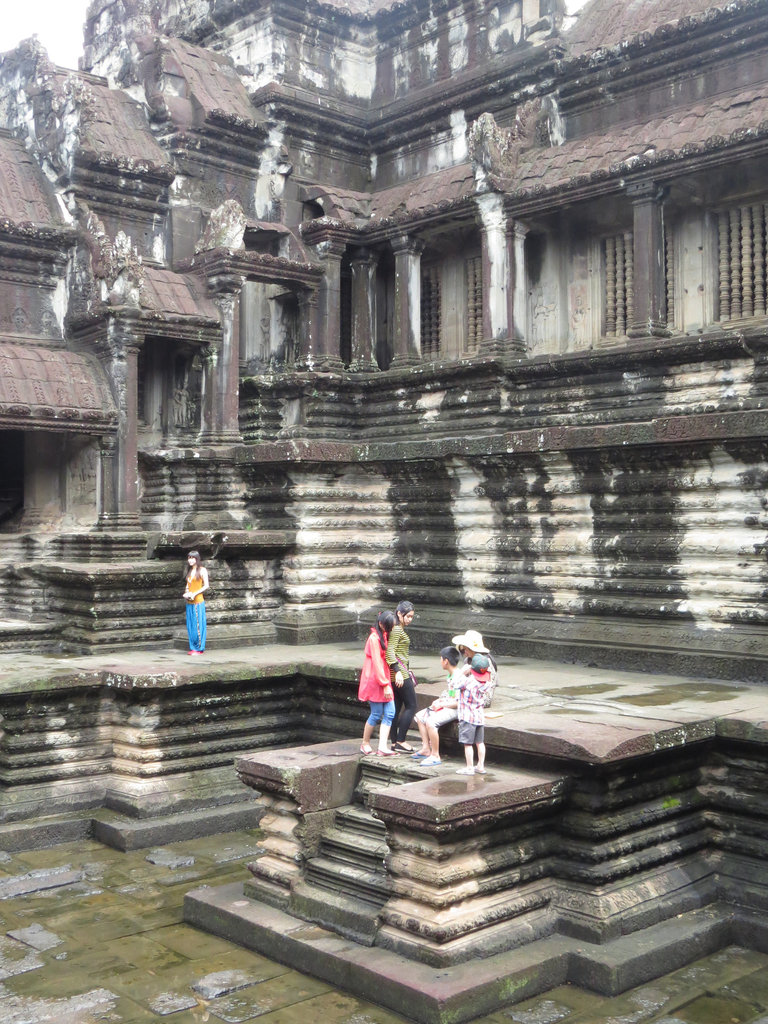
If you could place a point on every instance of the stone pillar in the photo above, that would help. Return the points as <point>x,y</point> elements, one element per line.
<point>650,292</point>
<point>309,305</point>
<point>516,235</point>
<point>497,284</point>
<point>120,504</point>
<point>364,312</point>
<point>107,483</point>
<point>407,301</point>
<point>327,352</point>
<point>221,377</point>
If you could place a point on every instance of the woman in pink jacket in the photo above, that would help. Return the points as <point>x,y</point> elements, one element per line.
<point>375,686</point>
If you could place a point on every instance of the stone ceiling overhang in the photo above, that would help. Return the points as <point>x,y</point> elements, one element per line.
<point>53,389</point>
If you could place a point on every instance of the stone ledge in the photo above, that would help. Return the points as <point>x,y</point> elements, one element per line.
<point>439,996</point>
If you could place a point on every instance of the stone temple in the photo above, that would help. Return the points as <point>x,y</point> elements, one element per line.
<point>459,301</point>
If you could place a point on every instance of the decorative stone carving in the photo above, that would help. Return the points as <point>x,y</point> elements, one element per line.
<point>495,151</point>
<point>225,228</point>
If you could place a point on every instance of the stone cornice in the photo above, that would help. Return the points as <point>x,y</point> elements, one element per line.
<point>252,266</point>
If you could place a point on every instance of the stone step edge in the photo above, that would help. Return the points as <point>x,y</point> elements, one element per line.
<point>124,833</point>
<point>435,996</point>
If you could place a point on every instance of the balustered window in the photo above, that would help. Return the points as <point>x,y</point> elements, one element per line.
<point>618,263</point>
<point>430,311</point>
<point>619,284</point>
<point>474,325</point>
<point>743,284</point>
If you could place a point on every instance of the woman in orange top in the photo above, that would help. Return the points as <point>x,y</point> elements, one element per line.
<point>197,584</point>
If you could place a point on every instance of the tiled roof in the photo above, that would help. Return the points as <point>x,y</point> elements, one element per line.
<point>44,386</point>
<point>603,24</point>
<point>718,121</point>
<point>114,127</point>
<point>211,83</point>
<point>167,293</point>
<point>24,195</point>
<point>440,189</point>
<point>342,204</point>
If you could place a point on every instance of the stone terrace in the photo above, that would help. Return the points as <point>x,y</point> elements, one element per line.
<point>664,784</point>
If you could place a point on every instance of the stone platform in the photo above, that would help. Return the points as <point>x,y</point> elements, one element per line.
<point>619,833</point>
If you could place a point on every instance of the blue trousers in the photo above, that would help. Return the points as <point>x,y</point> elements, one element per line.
<point>381,711</point>
<point>196,627</point>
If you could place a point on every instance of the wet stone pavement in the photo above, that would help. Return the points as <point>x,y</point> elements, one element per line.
<point>90,934</point>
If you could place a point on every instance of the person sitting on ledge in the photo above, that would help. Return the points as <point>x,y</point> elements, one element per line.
<point>441,711</point>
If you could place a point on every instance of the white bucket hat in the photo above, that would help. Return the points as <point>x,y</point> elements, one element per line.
<point>471,640</point>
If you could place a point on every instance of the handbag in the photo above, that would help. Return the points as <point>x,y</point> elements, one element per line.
<point>407,671</point>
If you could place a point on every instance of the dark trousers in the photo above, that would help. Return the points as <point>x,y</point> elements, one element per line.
<point>405,709</point>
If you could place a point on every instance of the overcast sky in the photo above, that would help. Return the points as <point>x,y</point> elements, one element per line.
<point>59,26</point>
<point>57,23</point>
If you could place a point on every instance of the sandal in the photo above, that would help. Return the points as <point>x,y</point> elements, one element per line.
<point>386,753</point>
<point>401,748</point>
<point>365,750</point>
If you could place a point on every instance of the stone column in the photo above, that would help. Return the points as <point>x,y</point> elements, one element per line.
<point>107,483</point>
<point>221,378</point>
<point>364,312</point>
<point>516,235</point>
<point>650,293</point>
<point>407,301</point>
<point>327,352</point>
<point>497,285</point>
<point>309,305</point>
<point>123,493</point>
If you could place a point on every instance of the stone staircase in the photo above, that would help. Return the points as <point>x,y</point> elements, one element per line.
<point>344,886</point>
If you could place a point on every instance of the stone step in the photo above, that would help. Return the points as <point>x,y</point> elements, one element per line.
<point>382,773</point>
<point>124,833</point>
<point>223,636</point>
<point>349,846</point>
<point>345,915</point>
<point>25,636</point>
<point>368,886</point>
<point>361,821</point>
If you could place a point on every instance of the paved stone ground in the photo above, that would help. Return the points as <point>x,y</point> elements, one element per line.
<point>89,934</point>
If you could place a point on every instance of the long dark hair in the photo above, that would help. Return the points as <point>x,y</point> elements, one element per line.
<point>198,565</point>
<point>402,609</point>
<point>385,623</point>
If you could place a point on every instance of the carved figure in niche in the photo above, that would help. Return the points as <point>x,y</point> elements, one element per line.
<point>49,324</point>
<point>541,313</point>
<point>225,228</point>
<point>20,319</point>
<point>183,405</point>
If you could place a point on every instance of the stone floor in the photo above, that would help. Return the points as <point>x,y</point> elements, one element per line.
<point>90,935</point>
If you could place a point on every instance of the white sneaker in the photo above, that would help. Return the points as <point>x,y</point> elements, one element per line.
<point>465,771</point>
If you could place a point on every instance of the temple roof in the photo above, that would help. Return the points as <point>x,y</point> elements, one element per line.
<point>442,188</point>
<point>111,126</point>
<point>602,24</point>
<point>211,84</point>
<point>728,119</point>
<point>24,195</point>
<point>173,295</point>
<point>53,388</point>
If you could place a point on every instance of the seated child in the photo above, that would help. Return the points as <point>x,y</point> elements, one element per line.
<point>473,690</point>
<point>439,712</point>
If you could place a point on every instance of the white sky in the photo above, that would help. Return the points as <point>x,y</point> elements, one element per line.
<point>58,24</point>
